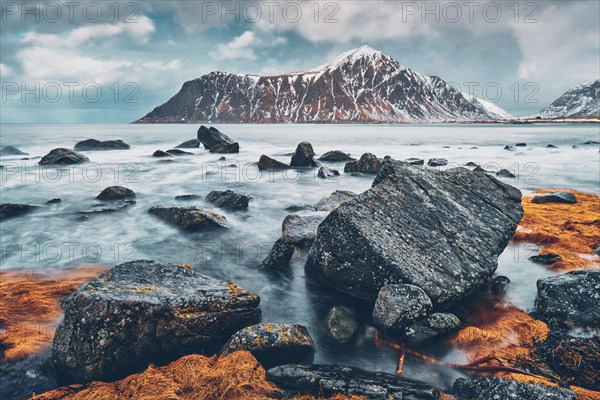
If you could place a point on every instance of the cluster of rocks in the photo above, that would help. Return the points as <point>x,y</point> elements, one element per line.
<point>217,142</point>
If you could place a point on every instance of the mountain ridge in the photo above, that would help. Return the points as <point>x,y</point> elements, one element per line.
<point>580,101</point>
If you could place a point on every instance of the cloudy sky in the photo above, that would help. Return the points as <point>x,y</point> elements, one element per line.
<point>107,62</point>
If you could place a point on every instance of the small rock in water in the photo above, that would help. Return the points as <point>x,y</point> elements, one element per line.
<point>160,153</point>
<point>116,193</point>
<point>54,201</point>
<point>498,285</point>
<point>9,210</point>
<point>190,218</point>
<point>280,255</point>
<point>273,344</point>
<point>478,169</point>
<point>504,173</point>
<point>492,388</point>
<point>551,146</point>
<point>268,163</point>
<point>325,172</point>
<point>178,152</point>
<point>591,142</point>
<point>188,197</point>
<point>415,161</point>
<point>108,208</point>
<point>296,208</point>
<point>12,151</point>
<point>437,162</point>
<point>510,148</point>
<point>223,158</point>
<point>189,144</point>
<point>357,174</point>
<point>340,325</point>
<point>63,157</point>
<point>575,146</point>
<point>400,305</point>
<point>546,259</point>
<point>556,197</point>
<point>432,328</point>
<point>335,156</point>
<point>97,145</point>
<point>303,156</point>
<point>368,164</point>
<point>521,145</point>
<point>471,164</point>
<point>228,199</point>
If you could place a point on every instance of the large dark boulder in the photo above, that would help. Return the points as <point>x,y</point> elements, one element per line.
<point>442,231</point>
<point>280,255</point>
<point>211,137</point>
<point>9,210</point>
<point>433,327</point>
<point>97,145</point>
<point>303,156</point>
<point>336,156</point>
<point>329,380</point>
<point>273,344</point>
<point>116,193</point>
<point>63,157</point>
<point>556,197</point>
<point>189,144</point>
<point>400,305</point>
<point>190,218</point>
<point>368,164</point>
<point>572,299</point>
<point>228,199</point>
<point>491,388</point>
<point>144,311</point>
<point>268,163</point>
<point>12,151</point>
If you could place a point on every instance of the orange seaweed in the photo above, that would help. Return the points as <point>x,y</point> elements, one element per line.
<point>569,230</point>
<point>29,309</point>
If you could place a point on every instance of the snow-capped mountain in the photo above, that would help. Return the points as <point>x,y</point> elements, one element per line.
<point>362,85</point>
<point>581,101</point>
<point>489,107</point>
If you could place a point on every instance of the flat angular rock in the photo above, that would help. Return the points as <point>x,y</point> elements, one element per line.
<point>368,164</point>
<point>280,255</point>
<point>329,380</point>
<point>116,193</point>
<point>437,162</point>
<point>571,299</point>
<point>303,156</point>
<point>273,344</point>
<point>63,157</point>
<point>144,311</point>
<point>190,218</point>
<point>400,305</point>
<point>189,144</point>
<point>12,151</point>
<point>301,228</point>
<point>432,328</point>
<point>336,156</point>
<point>556,197</point>
<point>228,199</point>
<point>97,145</point>
<point>178,152</point>
<point>440,230</point>
<point>498,388</point>
<point>9,210</point>
<point>268,163</point>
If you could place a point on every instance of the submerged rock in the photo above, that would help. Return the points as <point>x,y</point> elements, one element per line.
<point>280,255</point>
<point>556,197</point>
<point>415,161</point>
<point>97,145</point>
<point>326,172</point>
<point>12,151</point>
<point>213,138</point>
<point>441,231</point>
<point>102,208</point>
<point>160,153</point>
<point>178,152</point>
<point>491,388</point>
<point>268,163</point>
<point>368,164</point>
<point>189,144</point>
<point>63,157</point>
<point>329,380</point>
<point>273,344</point>
<point>54,201</point>
<point>551,146</point>
<point>190,218</point>
<point>116,193</point>
<point>504,173</point>
<point>9,210</point>
<point>144,311</point>
<point>336,156</point>
<point>303,156</point>
<point>400,305</point>
<point>225,148</point>
<point>571,299</point>
<point>188,197</point>
<point>340,325</point>
<point>521,145</point>
<point>546,259</point>
<point>432,328</point>
<point>437,162</point>
<point>228,199</point>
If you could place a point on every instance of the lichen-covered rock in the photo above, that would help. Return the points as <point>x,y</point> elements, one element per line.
<point>442,231</point>
<point>431,328</point>
<point>273,344</point>
<point>340,325</point>
<point>507,389</point>
<point>141,312</point>
<point>400,305</point>
<point>116,193</point>
<point>63,157</point>
<point>228,199</point>
<point>336,156</point>
<point>268,163</point>
<point>368,164</point>
<point>10,210</point>
<point>556,197</point>
<point>280,255</point>
<point>330,380</point>
<point>97,145</point>
<point>190,218</point>
<point>303,156</point>
<point>572,299</point>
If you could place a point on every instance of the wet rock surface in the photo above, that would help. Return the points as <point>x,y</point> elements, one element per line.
<point>326,172</point>
<point>116,193</point>
<point>303,156</point>
<point>97,145</point>
<point>437,162</point>
<point>10,210</point>
<point>268,163</point>
<point>546,259</point>
<point>571,299</point>
<point>178,152</point>
<point>504,173</point>
<point>273,344</point>
<point>225,148</point>
<point>144,311</point>
<point>400,305</point>
<point>367,164</point>
<point>499,388</point>
<point>556,197</point>
<point>329,380</point>
<point>336,156</point>
<point>415,161</point>
<point>160,153</point>
<point>12,151</point>
<point>190,218</point>
<point>216,141</point>
<point>189,144</point>
<point>228,199</point>
<point>188,197</point>
<point>340,325</point>
<point>280,255</point>
<point>431,328</point>
<point>301,228</point>
<point>63,156</point>
<point>101,208</point>
<point>418,227</point>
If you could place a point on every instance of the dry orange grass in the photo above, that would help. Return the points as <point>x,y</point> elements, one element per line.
<point>569,230</point>
<point>235,376</point>
<point>29,307</point>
